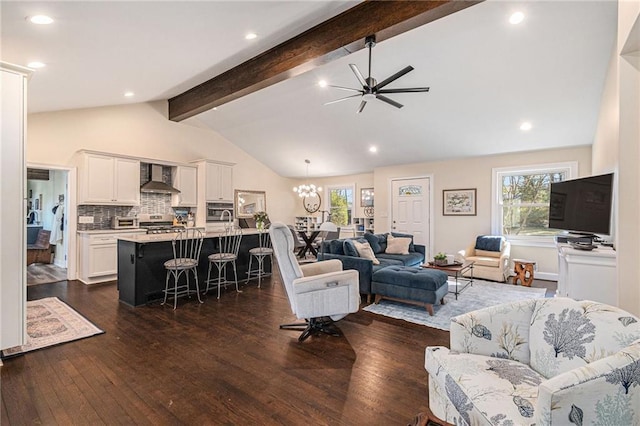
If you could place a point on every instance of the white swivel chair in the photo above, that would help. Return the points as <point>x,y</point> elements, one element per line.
<point>319,293</point>
<point>186,255</point>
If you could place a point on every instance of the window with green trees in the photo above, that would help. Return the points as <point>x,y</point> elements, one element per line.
<point>522,195</point>
<point>341,204</point>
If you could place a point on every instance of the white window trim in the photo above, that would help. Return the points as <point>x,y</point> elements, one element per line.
<point>496,173</point>
<point>327,197</point>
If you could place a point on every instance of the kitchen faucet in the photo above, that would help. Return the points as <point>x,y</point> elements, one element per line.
<point>230,224</point>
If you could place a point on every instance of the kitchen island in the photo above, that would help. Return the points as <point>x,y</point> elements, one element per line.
<point>141,272</point>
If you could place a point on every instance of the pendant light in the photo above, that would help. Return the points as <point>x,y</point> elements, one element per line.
<point>309,189</point>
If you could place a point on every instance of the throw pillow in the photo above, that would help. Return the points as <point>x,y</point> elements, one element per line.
<point>376,241</point>
<point>489,243</point>
<point>411,246</point>
<point>349,248</point>
<point>365,251</point>
<point>336,247</point>
<point>399,245</point>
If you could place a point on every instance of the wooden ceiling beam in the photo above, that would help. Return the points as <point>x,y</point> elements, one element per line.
<point>332,39</point>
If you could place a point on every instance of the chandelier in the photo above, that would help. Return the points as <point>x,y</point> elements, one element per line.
<point>307,190</point>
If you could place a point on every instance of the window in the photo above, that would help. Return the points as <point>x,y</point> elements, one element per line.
<point>521,200</point>
<point>340,204</point>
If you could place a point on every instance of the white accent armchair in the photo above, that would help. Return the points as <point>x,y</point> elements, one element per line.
<point>542,361</point>
<point>320,293</point>
<point>489,265</point>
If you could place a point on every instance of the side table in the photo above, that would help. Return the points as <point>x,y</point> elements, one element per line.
<point>458,271</point>
<point>524,271</point>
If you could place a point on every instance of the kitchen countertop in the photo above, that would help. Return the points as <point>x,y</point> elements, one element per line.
<point>113,231</point>
<point>155,238</point>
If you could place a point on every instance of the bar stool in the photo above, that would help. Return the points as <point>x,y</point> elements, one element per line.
<point>229,246</point>
<point>186,253</point>
<point>263,250</point>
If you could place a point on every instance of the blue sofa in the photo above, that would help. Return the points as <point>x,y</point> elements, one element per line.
<point>335,249</point>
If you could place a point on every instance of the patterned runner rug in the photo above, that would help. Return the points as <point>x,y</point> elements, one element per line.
<point>480,295</point>
<point>51,322</point>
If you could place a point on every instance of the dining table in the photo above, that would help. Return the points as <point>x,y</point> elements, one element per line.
<point>308,238</point>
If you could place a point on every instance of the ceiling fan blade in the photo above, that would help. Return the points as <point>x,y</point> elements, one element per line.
<point>342,99</point>
<point>358,74</point>
<point>394,77</point>
<point>407,90</point>
<point>362,105</point>
<point>389,101</point>
<point>344,88</point>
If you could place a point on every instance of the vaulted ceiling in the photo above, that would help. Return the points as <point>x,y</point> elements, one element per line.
<point>486,75</point>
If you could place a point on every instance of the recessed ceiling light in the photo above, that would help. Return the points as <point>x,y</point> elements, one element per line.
<point>516,18</point>
<point>250,36</point>
<point>36,65</point>
<point>373,149</point>
<point>215,108</point>
<point>128,94</point>
<point>322,83</point>
<point>41,19</point>
<point>525,126</point>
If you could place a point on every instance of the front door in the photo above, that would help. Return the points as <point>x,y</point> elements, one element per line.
<point>410,208</point>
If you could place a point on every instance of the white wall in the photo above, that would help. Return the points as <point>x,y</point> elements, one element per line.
<point>617,147</point>
<point>143,130</point>
<point>453,233</point>
<point>628,236</point>
<point>604,152</point>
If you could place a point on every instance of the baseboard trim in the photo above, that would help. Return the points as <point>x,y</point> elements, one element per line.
<point>549,276</point>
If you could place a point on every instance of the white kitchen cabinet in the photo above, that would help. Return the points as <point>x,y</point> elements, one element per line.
<point>109,180</point>
<point>185,178</point>
<point>219,182</point>
<point>587,275</point>
<point>99,255</point>
<point>12,205</point>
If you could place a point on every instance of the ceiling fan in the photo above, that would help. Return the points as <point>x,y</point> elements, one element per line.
<point>371,89</point>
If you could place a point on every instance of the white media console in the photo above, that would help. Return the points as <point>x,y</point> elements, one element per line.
<point>587,275</point>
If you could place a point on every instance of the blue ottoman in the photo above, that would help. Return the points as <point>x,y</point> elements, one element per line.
<point>410,284</point>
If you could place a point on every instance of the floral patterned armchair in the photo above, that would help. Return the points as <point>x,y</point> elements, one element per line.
<point>543,361</point>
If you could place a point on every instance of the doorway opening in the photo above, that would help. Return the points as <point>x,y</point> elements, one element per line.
<point>47,207</point>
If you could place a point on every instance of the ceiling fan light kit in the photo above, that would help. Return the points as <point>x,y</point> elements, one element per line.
<point>371,89</point>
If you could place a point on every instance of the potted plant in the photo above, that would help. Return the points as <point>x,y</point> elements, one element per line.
<point>260,218</point>
<point>440,259</point>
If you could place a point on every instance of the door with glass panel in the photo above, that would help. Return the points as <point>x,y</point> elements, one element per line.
<point>410,208</point>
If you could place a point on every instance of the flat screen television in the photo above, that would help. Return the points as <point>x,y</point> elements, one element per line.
<point>582,205</point>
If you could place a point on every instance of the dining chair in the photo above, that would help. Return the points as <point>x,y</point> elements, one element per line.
<point>186,253</point>
<point>228,248</point>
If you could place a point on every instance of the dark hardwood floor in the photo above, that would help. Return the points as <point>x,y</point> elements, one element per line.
<point>222,362</point>
<point>42,273</point>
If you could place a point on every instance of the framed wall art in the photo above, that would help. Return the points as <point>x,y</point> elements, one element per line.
<point>459,202</point>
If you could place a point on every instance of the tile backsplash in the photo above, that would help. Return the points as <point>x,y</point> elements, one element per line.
<point>149,203</point>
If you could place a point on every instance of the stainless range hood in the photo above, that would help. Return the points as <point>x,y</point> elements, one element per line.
<point>156,185</point>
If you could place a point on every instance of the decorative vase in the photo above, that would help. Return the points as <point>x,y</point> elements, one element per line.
<point>439,262</point>
<point>260,225</point>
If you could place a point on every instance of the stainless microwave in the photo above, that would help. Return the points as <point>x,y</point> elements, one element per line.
<point>124,222</point>
<point>219,212</point>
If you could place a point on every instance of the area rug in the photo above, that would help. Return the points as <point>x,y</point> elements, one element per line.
<point>51,322</point>
<point>480,295</point>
